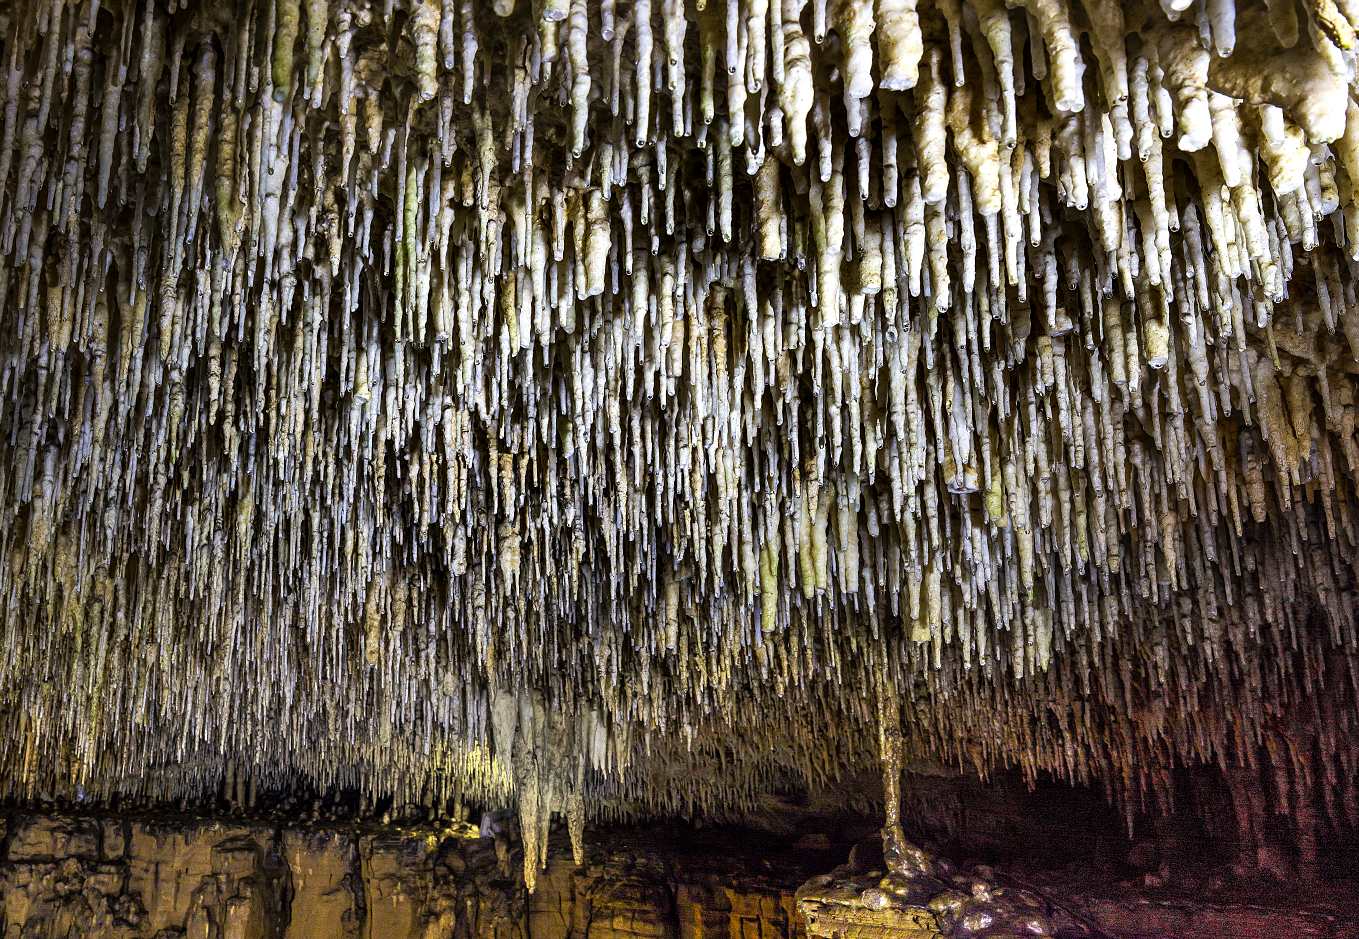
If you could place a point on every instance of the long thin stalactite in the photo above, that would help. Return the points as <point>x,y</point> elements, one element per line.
<point>626,407</point>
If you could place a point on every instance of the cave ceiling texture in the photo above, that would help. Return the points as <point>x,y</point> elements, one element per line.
<point>628,408</point>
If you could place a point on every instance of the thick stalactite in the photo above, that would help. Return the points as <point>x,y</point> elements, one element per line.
<point>625,408</point>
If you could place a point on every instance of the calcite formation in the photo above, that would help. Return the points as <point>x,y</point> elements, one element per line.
<point>921,897</point>
<point>622,408</point>
<point>900,891</point>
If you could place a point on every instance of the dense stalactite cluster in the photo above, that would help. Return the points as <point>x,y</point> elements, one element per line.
<point>624,407</point>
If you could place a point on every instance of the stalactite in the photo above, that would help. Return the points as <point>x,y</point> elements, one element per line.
<point>510,401</point>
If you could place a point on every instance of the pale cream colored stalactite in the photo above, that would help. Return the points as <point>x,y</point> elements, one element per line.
<point>522,398</point>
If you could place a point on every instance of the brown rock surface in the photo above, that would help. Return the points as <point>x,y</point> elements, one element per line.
<point>85,878</point>
<point>187,878</point>
<point>325,872</point>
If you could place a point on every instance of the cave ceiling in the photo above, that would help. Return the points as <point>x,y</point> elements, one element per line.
<point>625,408</point>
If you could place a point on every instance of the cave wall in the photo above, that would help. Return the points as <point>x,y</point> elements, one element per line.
<point>220,879</point>
<point>89,877</point>
<point>120,878</point>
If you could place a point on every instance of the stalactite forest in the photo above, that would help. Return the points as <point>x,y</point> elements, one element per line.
<point>623,407</point>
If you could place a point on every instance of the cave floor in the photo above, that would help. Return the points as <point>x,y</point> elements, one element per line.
<point>1196,902</point>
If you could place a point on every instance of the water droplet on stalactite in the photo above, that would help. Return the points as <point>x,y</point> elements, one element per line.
<point>361,390</point>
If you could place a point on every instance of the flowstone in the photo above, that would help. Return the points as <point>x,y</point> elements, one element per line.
<point>909,894</point>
